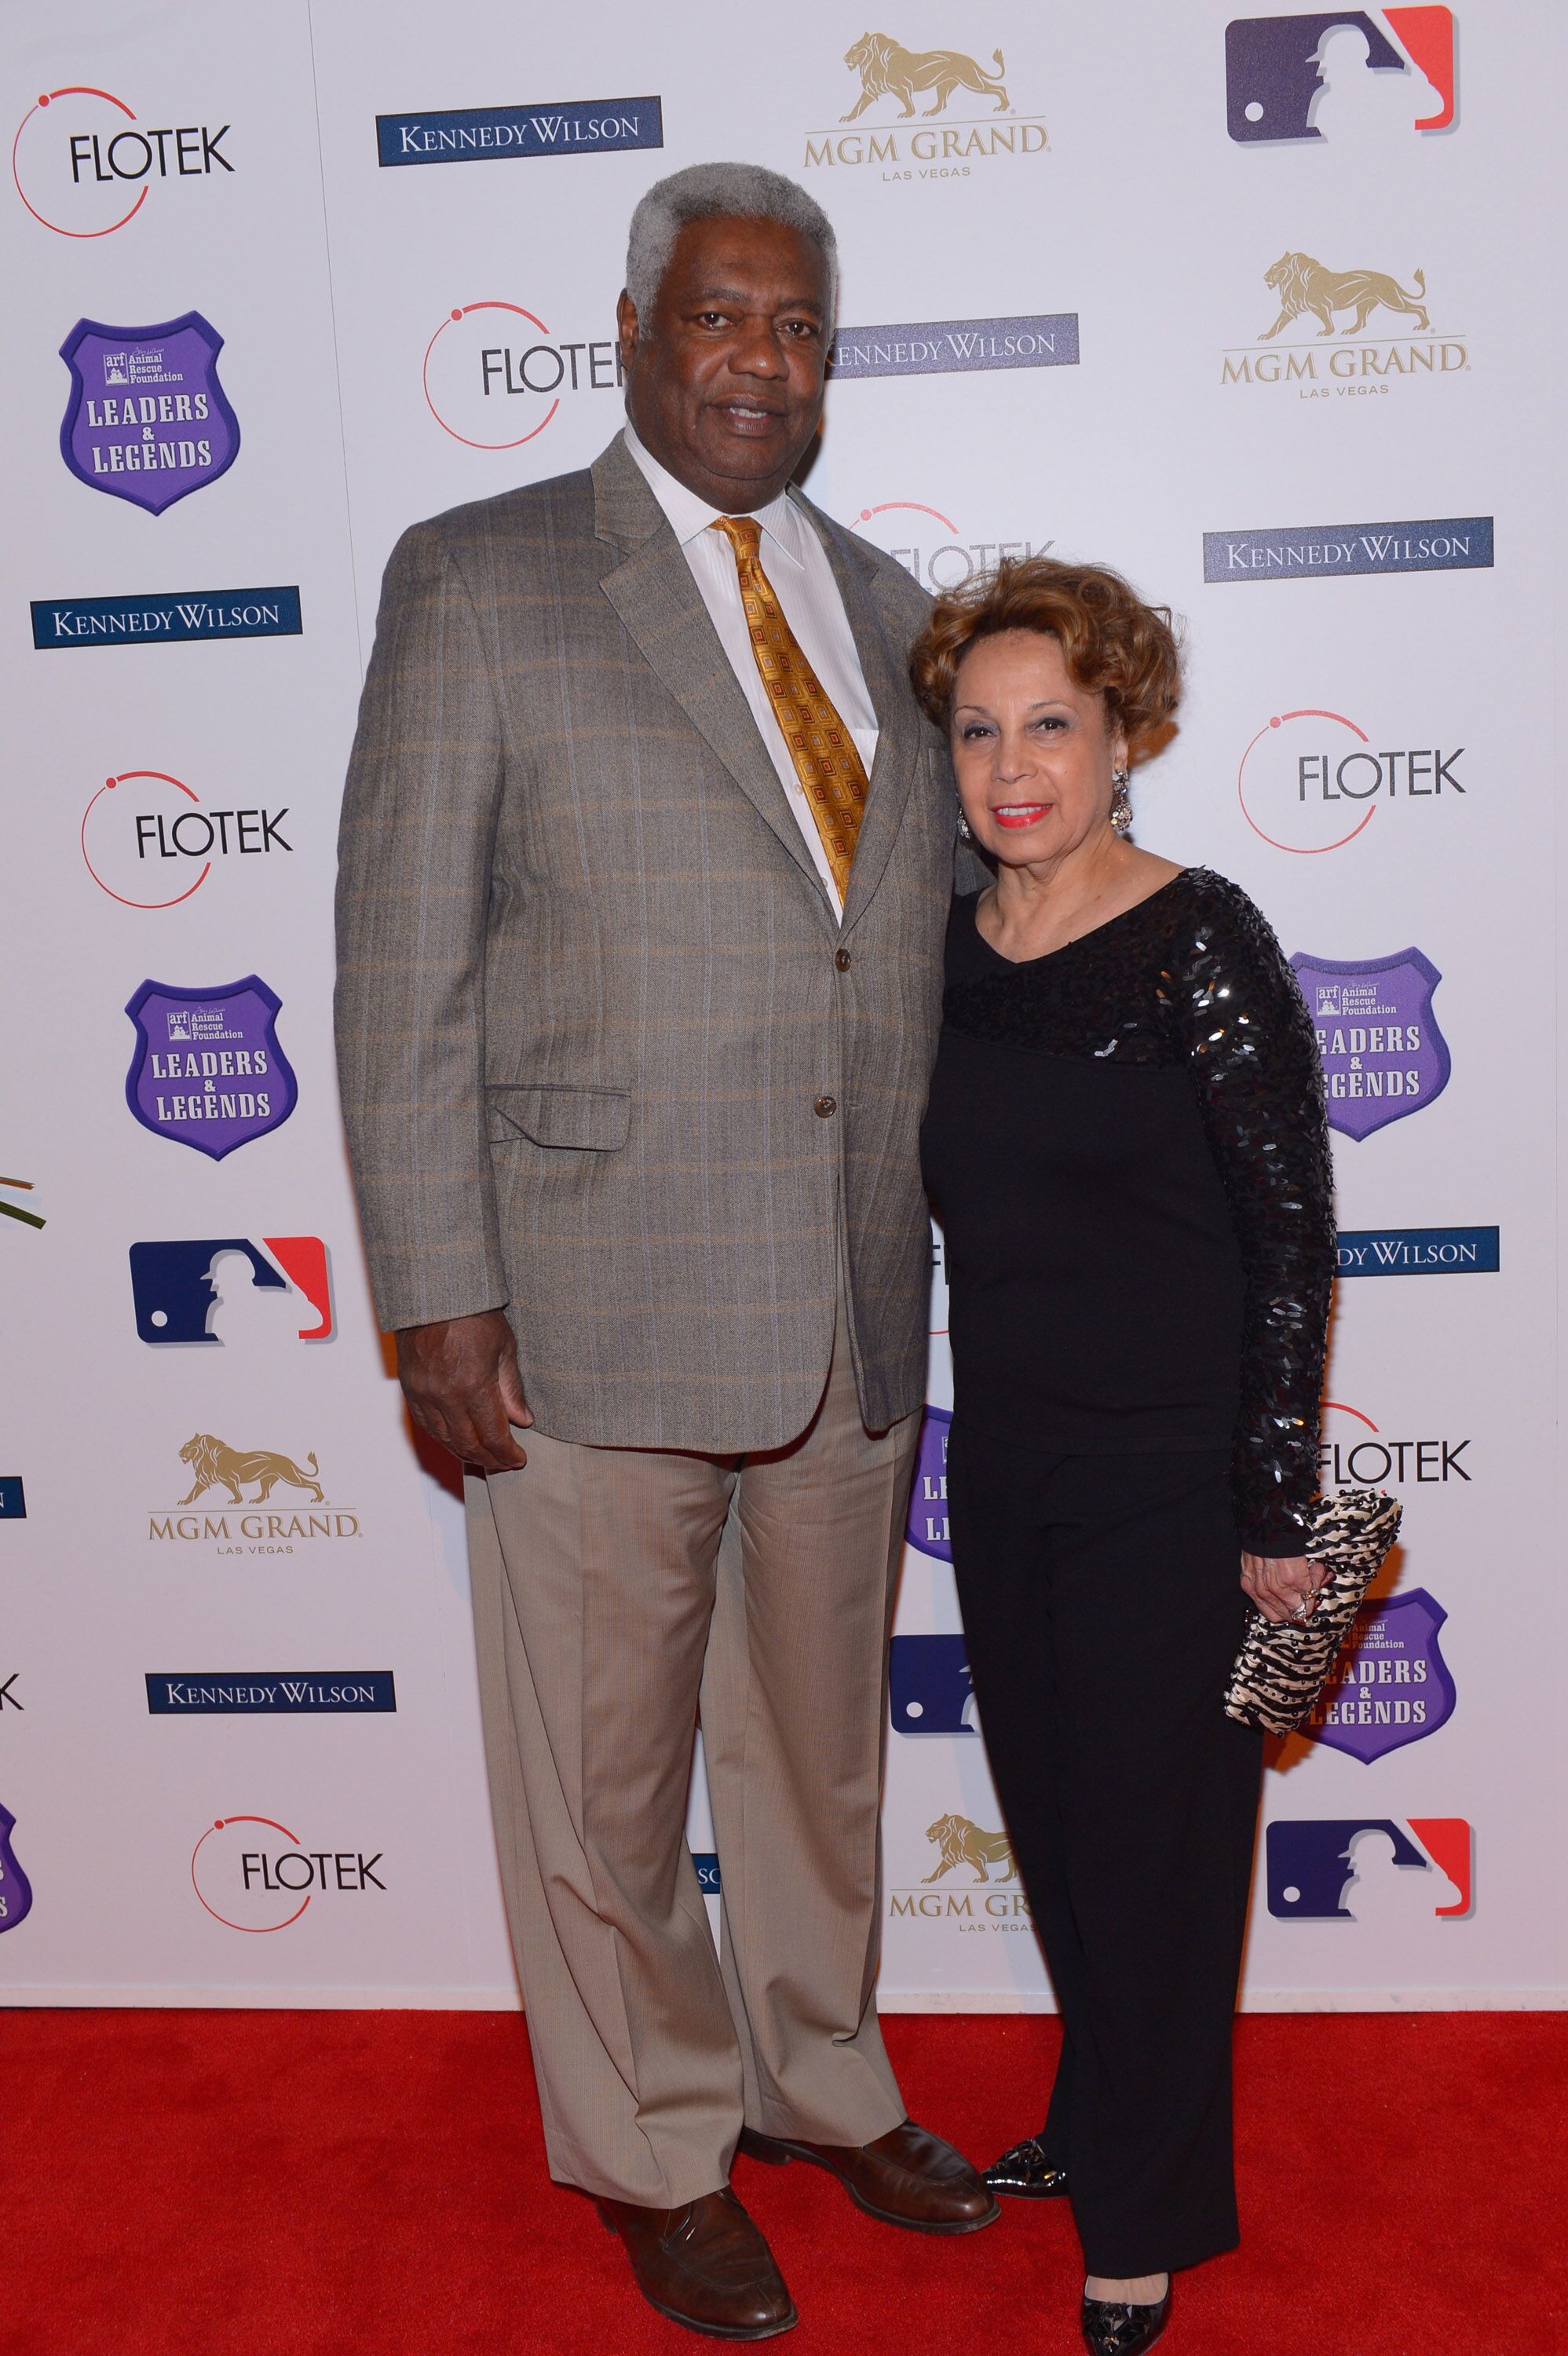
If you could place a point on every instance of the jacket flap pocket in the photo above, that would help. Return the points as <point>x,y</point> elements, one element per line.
<point>595,1119</point>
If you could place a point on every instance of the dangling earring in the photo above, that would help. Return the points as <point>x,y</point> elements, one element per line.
<point>964,833</point>
<point>1120,803</point>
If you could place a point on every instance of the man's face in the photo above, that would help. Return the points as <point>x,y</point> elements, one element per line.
<point>724,382</point>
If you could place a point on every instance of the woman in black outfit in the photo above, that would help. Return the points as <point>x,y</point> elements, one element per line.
<point>1127,1147</point>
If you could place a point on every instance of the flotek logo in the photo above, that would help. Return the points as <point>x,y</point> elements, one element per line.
<point>196,1291</point>
<point>1312,302</point>
<point>1319,76</point>
<point>481,134</point>
<point>927,543</point>
<point>1389,1684</point>
<point>1383,1056</point>
<point>1341,550</point>
<point>931,1690</point>
<point>207,1071</point>
<point>252,1874</point>
<point>494,376</point>
<point>148,842</point>
<point>1368,1868</point>
<point>1312,780</point>
<point>1355,1453</point>
<point>84,165</point>
<point>893,79</point>
<point>147,420</point>
<point>946,346</point>
<point>263,1693</point>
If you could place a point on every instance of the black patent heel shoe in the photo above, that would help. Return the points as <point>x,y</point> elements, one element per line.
<point>1113,2327</point>
<point>1025,2173</point>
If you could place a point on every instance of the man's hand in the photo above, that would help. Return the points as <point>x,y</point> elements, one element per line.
<point>461,1380</point>
<point>1283,1586</point>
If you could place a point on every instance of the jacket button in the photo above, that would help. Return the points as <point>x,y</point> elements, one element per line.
<point>842,961</point>
<point>826,1106</point>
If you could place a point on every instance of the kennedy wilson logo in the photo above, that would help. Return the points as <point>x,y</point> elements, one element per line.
<point>1391,340</point>
<point>230,1506</point>
<point>494,375</point>
<point>931,545</point>
<point>1337,551</point>
<point>1418,1251</point>
<point>165,620</point>
<point>945,347</point>
<point>902,91</point>
<point>252,1873</point>
<point>84,164</point>
<point>272,1693</point>
<point>1314,780</point>
<point>489,134</point>
<point>147,840</point>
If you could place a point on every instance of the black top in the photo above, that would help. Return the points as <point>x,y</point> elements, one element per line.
<point>1127,1147</point>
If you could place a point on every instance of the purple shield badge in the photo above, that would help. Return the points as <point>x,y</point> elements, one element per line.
<point>1391,1684</point>
<point>208,1070</point>
<point>15,1889</point>
<point>928,1498</point>
<point>1383,1056</point>
<point>147,420</point>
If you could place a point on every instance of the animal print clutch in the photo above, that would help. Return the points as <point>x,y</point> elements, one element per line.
<point>1282,1665</point>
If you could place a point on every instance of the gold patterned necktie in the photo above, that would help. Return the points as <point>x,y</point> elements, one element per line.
<point>827,759</point>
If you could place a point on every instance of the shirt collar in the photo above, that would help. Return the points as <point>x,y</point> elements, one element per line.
<point>689,517</point>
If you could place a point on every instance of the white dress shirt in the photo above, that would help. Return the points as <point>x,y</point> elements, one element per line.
<point>796,565</point>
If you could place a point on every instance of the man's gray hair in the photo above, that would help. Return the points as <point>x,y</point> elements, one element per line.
<point>719,192</point>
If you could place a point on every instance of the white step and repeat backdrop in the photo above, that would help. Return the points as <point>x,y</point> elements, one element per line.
<point>1260,309</point>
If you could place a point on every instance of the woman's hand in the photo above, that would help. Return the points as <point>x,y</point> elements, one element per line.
<point>1283,1586</point>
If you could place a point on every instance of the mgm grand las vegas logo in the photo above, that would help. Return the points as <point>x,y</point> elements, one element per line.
<point>977,1858</point>
<point>909,89</point>
<point>250,1500</point>
<point>1308,349</point>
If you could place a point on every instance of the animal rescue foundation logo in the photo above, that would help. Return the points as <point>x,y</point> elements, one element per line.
<point>1306,351</point>
<point>911,87</point>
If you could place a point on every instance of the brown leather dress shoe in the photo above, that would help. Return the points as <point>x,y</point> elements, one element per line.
<point>905,2178</point>
<point>706,2266</point>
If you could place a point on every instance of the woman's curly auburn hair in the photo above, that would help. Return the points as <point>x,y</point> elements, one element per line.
<point>1112,642</point>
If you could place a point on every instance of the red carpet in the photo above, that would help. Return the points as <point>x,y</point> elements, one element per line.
<point>373,2184</point>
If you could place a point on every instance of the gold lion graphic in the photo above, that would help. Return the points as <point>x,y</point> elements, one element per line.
<point>1303,284</point>
<point>889,71</point>
<point>961,1842</point>
<point>214,1463</point>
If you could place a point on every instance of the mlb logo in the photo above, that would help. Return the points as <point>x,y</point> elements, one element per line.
<point>1369,1869</point>
<point>931,1689</point>
<point>1316,76</point>
<point>199,1289</point>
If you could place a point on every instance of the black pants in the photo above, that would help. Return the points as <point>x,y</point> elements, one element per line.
<point>1103,1611</point>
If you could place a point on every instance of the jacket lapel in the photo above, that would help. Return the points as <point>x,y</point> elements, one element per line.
<point>662,611</point>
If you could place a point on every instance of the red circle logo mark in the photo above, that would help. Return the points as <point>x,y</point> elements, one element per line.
<point>1294,786</point>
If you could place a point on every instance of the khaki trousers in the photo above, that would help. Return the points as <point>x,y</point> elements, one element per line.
<point>615,1591</point>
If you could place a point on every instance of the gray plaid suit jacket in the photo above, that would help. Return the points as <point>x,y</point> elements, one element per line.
<point>593,1001</point>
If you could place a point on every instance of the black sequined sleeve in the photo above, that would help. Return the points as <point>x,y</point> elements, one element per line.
<point>1259,1079</point>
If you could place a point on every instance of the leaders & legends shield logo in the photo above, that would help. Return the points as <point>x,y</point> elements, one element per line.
<point>147,420</point>
<point>15,1889</point>
<point>207,1071</point>
<point>1383,1056</point>
<point>1391,1684</point>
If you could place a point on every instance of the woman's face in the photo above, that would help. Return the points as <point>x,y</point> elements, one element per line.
<point>1032,752</point>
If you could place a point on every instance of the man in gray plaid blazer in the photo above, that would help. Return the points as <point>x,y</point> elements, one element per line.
<point>646,856</point>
